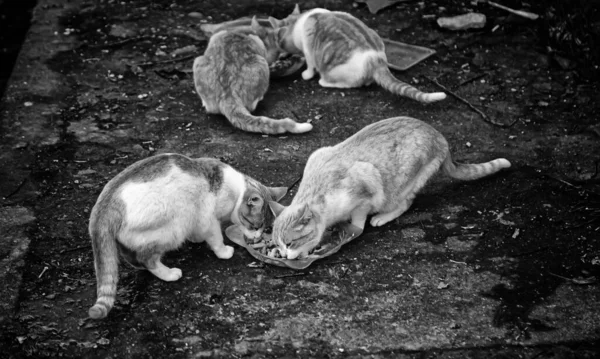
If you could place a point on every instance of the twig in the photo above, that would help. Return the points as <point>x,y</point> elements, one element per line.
<point>525,14</point>
<point>119,43</point>
<point>17,189</point>
<point>542,173</point>
<point>189,33</point>
<point>589,280</point>
<point>43,271</point>
<point>166,62</point>
<point>295,183</point>
<point>457,262</point>
<point>295,115</point>
<point>297,274</point>
<point>467,81</point>
<point>483,115</point>
<point>74,249</point>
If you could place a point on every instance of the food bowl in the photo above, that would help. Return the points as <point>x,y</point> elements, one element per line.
<point>260,249</point>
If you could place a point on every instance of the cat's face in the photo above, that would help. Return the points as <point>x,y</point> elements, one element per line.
<point>269,38</point>
<point>254,214</point>
<point>296,231</point>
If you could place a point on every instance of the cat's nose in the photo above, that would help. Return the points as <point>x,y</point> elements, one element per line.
<point>289,254</point>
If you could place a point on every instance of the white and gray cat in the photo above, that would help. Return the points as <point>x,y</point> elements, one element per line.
<point>233,76</point>
<point>379,170</point>
<point>343,50</point>
<point>157,203</point>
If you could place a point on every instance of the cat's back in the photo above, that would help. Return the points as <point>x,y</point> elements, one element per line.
<point>394,139</point>
<point>342,28</point>
<point>160,173</point>
<point>233,46</point>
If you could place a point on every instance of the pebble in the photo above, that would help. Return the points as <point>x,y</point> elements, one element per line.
<point>471,20</point>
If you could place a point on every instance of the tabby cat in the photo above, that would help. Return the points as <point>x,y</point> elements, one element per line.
<point>233,76</point>
<point>157,203</point>
<point>343,50</point>
<point>378,170</point>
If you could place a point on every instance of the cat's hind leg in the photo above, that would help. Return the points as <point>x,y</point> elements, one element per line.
<point>347,75</point>
<point>408,194</point>
<point>156,267</point>
<point>382,218</point>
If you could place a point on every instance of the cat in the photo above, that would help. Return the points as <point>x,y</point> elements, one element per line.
<point>343,50</point>
<point>233,76</point>
<point>157,203</point>
<point>378,170</point>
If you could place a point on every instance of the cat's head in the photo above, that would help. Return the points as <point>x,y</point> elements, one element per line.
<point>296,230</point>
<point>284,31</point>
<point>253,212</point>
<point>269,37</point>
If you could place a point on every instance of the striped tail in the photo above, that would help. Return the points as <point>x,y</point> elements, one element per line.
<point>106,262</point>
<point>383,76</point>
<point>475,170</point>
<point>241,118</point>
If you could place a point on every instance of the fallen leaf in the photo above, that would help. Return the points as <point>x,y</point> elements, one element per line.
<point>376,5</point>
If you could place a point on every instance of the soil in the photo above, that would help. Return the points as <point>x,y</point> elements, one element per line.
<point>501,267</point>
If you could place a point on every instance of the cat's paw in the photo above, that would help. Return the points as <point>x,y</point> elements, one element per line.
<point>380,219</point>
<point>308,74</point>
<point>224,252</point>
<point>302,127</point>
<point>167,274</point>
<point>174,274</point>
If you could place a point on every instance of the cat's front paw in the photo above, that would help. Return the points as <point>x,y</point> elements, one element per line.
<point>174,274</point>
<point>224,252</point>
<point>308,74</point>
<point>380,219</point>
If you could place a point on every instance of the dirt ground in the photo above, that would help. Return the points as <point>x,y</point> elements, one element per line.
<point>503,267</point>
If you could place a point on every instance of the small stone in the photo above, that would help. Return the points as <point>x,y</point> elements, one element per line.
<point>197,15</point>
<point>20,145</point>
<point>471,20</point>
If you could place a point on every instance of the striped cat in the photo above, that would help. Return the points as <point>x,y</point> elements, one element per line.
<point>233,76</point>
<point>343,50</point>
<point>157,203</point>
<point>379,170</point>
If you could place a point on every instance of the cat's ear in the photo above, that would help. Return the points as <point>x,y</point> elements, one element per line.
<point>277,193</point>
<point>276,208</point>
<point>296,10</point>
<point>275,22</point>
<point>255,26</point>
<point>306,213</point>
<point>281,33</point>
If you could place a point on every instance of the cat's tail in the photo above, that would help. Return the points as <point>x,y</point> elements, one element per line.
<point>241,118</point>
<point>473,171</point>
<point>383,76</point>
<point>106,263</point>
